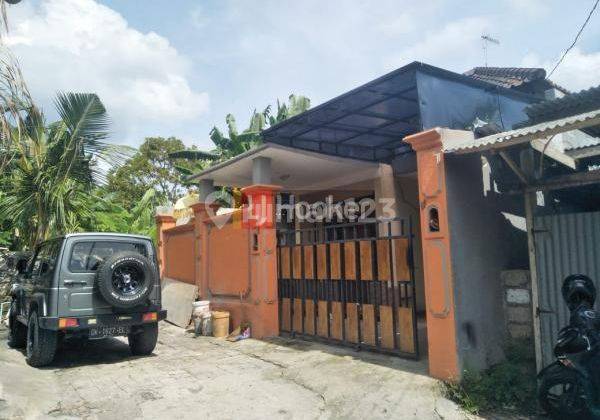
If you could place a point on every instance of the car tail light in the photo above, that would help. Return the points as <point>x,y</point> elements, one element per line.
<point>67,322</point>
<point>150,317</point>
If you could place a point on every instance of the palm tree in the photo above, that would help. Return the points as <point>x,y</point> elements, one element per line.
<point>51,169</point>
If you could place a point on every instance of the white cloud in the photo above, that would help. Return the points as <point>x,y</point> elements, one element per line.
<point>80,45</point>
<point>529,7</point>
<point>579,70</point>
<point>198,17</point>
<point>456,45</point>
<point>400,25</point>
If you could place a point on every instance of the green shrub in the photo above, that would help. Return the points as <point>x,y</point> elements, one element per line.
<point>507,386</point>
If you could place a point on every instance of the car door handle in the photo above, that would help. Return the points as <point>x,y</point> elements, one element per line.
<point>74,282</point>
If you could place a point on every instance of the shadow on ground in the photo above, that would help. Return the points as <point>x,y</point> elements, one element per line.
<point>394,362</point>
<point>79,352</point>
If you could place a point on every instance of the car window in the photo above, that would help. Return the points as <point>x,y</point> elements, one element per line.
<point>88,255</point>
<point>44,262</point>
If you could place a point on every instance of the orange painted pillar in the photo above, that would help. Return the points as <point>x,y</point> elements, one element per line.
<point>259,216</point>
<point>439,288</point>
<point>202,212</point>
<point>163,222</point>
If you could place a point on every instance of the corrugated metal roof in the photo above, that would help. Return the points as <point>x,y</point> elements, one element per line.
<point>525,134</point>
<point>573,104</point>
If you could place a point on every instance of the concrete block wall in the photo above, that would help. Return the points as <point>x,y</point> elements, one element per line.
<point>516,298</point>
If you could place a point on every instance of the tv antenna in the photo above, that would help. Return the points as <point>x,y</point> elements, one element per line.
<point>487,39</point>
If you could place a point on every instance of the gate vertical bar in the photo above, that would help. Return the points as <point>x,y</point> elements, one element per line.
<point>393,275</point>
<point>411,266</point>
<point>292,287</point>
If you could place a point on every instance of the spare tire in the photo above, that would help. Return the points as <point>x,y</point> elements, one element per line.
<point>126,279</point>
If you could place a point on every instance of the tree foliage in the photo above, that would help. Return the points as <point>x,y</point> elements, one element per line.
<point>52,167</point>
<point>150,167</point>
<point>235,143</point>
<point>108,216</point>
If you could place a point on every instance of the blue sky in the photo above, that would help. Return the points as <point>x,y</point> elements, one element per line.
<point>178,67</point>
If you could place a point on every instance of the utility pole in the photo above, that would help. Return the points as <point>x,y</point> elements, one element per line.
<point>486,38</point>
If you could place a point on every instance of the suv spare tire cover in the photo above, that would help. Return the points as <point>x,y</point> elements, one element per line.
<point>126,279</point>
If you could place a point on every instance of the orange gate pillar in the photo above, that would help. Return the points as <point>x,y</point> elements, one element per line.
<point>259,216</point>
<point>439,289</point>
<point>163,222</point>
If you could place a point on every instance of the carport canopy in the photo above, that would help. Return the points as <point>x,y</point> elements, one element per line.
<point>371,121</point>
<point>293,169</point>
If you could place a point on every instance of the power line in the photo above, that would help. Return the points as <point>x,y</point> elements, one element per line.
<point>576,38</point>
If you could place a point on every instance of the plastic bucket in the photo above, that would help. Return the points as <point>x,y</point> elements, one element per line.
<point>200,307</point>
<point>220,323</point>
<point>206,323</point>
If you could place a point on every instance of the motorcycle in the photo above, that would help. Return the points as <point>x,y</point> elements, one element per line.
<point>569,387</point>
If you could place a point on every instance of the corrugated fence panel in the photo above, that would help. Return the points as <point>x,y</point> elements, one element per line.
<point>565,244</point>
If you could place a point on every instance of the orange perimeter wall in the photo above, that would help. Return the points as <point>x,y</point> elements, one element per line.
<point>234,266</point>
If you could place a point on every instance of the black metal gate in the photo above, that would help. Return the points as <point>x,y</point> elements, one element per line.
<point>350,284</point>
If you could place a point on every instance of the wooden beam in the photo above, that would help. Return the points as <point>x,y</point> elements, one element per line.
<point>511,163</point>
<point>529,225</point>
<point>584,152</point>
<point>579,179</point>
<point>546,148</point>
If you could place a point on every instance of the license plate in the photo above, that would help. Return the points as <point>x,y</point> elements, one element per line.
<point>108,331</point>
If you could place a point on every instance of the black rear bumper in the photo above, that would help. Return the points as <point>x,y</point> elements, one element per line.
<point>106,320</point>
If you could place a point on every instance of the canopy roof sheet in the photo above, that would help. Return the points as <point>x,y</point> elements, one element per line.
<point>370,122</point>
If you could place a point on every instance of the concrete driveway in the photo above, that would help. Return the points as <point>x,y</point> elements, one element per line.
<point>204,377</point>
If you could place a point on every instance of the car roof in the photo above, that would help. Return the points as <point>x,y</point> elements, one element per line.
<point>104,234</point>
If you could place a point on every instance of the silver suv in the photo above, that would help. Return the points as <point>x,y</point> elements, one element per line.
<point>91,285</point>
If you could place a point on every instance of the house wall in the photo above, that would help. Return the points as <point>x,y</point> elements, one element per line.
<point>483,244</point>
<point>456,105</point>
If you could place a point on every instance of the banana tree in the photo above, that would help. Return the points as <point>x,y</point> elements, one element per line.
<point>297,104</point>
<point>234,143</point>
<point>237,143</point>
